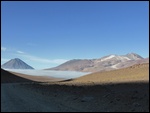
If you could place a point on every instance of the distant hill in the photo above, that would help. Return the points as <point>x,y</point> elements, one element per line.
<point>16,63</point>
<point>105,63</point>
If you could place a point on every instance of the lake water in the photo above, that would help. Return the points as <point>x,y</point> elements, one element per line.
<point>51,73</point>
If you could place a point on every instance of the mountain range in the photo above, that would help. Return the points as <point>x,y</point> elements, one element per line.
<point>16,63</point>
<point>105,63</point>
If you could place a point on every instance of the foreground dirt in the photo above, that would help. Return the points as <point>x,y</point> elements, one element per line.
<point>15,98</point>
<point>124,90</point>
<point>35,97</point>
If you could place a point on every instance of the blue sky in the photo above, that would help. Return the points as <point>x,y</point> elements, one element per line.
<point>46,34</point>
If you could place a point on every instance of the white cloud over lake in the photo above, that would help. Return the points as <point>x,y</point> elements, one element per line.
<point>51,73</point>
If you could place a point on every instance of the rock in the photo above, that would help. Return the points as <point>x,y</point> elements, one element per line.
<point>111,101</point>
<point>75,98</point>
<point>134,97</point>
<point>136,104</point>
<point>118,99</point>
<point>135,91</point>
<point>106,95</point>
<point>87,99</point>
<point>133,110</point>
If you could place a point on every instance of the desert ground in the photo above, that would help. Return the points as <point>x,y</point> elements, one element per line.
<point>122,90</point>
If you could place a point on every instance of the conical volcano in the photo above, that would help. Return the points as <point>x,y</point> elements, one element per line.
<point>16,63</point>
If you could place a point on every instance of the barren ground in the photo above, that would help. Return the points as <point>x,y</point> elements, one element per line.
<point>95,92</point>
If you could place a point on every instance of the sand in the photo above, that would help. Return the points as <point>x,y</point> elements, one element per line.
<point>123,90</point>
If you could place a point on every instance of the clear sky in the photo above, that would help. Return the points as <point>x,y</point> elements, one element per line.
<point>46,34</point>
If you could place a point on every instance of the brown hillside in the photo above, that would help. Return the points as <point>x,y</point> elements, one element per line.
<point>139,72</point>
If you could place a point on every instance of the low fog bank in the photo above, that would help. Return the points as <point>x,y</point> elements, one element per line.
<point>51,73</point>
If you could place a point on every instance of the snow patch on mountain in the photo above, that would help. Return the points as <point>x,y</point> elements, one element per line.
<point>109,57</point>
<point>123,58</point>
<point>115,66</point>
